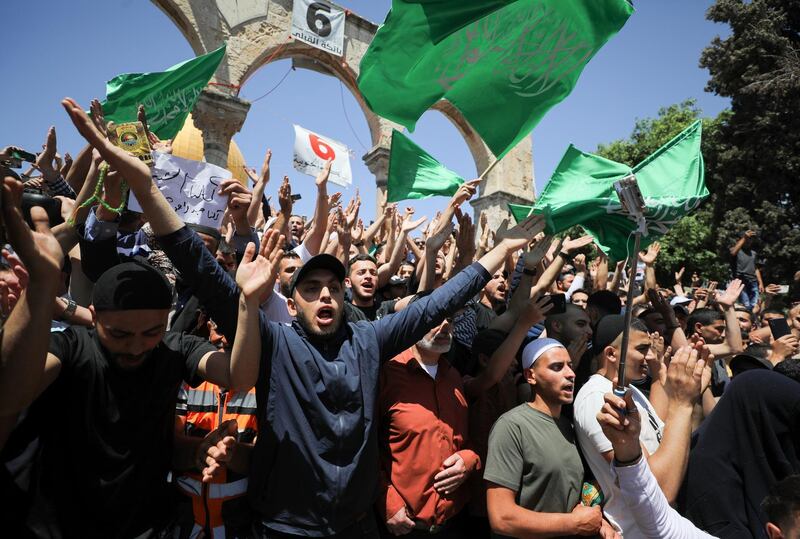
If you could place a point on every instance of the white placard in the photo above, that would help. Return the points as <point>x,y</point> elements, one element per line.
<point>319,24</point>
<point>311,151</point>
<point>191,188</point>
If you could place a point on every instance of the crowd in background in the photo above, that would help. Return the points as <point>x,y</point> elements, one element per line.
<point>287,375</point>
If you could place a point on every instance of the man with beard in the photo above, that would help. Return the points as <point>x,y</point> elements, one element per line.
<point>533,471</point>
<point>423,434</point>
<point>106,396</point>
<point>666,450</point>
<point>493,299</point>
<point>571,326</point>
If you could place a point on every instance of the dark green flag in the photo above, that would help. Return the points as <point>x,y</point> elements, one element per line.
<point>581,192</point>
<point>503,64</point>
<point>168,96</point>
<point>413,173</point>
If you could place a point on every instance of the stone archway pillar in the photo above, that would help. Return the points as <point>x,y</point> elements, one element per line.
<point>219,117</point>
<point>377,161</point>
<point>510,181</point>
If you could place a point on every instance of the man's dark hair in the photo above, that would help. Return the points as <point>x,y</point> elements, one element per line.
<point>759,350</point>
<point>486,342</point>
<point>581,291</point>
<point>789,367</point>
<point>561,318</point>
<point>705,317</point>
<point>773,310</point>
<point>605,301</point>
<point>290,254</point>
<point>782,504</point>
<point>360,258</point>
<point>739,308</point>
<point>225,248</point>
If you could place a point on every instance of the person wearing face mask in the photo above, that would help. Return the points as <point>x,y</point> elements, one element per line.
<point>425,461</point>
<point>665,447</point>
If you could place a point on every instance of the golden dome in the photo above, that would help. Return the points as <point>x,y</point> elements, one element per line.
<point>188,143</point>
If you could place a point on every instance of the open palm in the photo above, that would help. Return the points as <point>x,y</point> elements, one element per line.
<point>257,272</point>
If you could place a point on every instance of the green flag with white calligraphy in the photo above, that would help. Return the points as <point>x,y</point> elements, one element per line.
<point>581,192</point>
<point>168,96</point>
<point>503,64</point>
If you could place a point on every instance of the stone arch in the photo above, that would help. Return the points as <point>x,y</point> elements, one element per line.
<point>257,33</point>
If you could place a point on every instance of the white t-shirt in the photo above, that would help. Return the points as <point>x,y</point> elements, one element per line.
<point>593,443</point>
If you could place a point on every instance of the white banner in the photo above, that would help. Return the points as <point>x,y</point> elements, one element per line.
<point>191,187</point>
<point>311,151</point>
<point>319,24</point>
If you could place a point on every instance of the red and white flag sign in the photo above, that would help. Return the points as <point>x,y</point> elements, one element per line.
<point>311,151</point>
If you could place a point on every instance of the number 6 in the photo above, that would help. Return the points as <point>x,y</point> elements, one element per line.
<point>313,16</point>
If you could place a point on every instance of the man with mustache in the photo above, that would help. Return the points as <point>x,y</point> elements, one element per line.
<point>423,435</point>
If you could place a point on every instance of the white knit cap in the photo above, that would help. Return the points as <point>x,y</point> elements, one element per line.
<point>534,350</point>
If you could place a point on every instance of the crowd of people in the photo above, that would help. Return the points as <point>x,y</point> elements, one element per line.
<point>314,376</point>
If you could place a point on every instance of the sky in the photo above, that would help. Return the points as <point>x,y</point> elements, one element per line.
<point>653,62</point>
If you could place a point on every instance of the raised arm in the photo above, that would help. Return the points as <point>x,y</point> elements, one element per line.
<point>399,331</point>
<point>740,242</point>
<point>733,337</point>
<point>255,276</point>
<point>533,313</point>
<point>259,184</point>
<point>386,271</point>
<point>313,240</point>
<point>26,368</point>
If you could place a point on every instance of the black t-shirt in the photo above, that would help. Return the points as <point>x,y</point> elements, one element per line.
<point>108,436</point>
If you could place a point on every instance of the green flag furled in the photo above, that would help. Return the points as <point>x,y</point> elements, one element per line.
<point>168,96</point>
<point>581,192</point>
<point>413,173</point>
<point>503,64</point>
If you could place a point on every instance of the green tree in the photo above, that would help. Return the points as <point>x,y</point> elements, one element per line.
<point>755,179</point>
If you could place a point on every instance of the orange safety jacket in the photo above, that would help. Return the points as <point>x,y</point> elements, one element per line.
<point>199,411</point>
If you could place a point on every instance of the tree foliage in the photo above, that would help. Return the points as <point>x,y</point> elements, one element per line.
<point>750,151</point>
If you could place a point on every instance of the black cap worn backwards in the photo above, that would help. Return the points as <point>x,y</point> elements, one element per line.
<point>323,261</point>
<point>134,285</point>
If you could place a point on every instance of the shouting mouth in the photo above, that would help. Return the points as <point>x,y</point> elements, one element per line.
<point>325,316</point>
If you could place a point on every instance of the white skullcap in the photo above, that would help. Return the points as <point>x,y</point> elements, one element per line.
<point>534,350</point>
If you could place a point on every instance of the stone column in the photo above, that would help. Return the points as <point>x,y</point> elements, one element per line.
<point>510,181</point>
<point>219,117</point>
<point>377,161</point>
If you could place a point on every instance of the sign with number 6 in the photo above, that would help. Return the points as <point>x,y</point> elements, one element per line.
<point>319,24</point>
<point>311,151</point>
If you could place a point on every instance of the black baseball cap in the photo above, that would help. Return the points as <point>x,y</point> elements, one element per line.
<point>323,261</point>
<point>745,362</point>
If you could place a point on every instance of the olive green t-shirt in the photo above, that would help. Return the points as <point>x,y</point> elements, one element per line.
<point>535,455</point>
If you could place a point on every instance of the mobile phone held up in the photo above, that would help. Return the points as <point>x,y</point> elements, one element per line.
<point>559,303</point>
<point>779,327</point>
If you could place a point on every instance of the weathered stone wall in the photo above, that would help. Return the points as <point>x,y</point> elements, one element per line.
<point>257,32</point>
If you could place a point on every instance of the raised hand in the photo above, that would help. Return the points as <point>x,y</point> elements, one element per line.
<point>519,236</point>
<point>731,294</point>
<point>649,257</point>
<point>37,249</point>
<point>465,192</point>
<point>621,423</point>
<point>239,198</point>
<point>98,117</point>
<point>441,231</point>
<point>570,245</point>
<point>577,347</point>
<point>322,177</point>
<point>135,172</point>
<point>658,365</point>
<point>44,161</point>
<point>408,225</point>
<point>679,275</point>
<point>257,272</point>
<point>684,376</point>
<point>534,256</point>
<point>580,263</point>
<point>285,197</point>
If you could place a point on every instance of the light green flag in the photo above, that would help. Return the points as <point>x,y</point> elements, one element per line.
<point>168,96</point>
<point>413,173</point>
<point>581,192</point>
<point>503,64</point>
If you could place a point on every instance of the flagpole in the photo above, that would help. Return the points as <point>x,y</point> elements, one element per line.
<point>488,170</point>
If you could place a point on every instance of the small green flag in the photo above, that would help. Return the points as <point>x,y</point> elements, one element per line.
<point>413,173</point>
<point>503,64</point>
<point>581,192</point>
<point>168,96</point>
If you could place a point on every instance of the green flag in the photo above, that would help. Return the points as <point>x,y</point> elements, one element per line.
<point>413,173</point>
<point>581,192</point>
<point>168,96</point>
<point>503,64</point>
